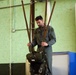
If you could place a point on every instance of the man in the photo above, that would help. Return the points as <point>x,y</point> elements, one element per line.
<point>44,38</point>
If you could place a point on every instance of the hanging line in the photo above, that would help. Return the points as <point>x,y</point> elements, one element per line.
<point>45,11</point>
<point>32,17</point>
<point>30,49</point>
<point>28,32</point>
<point>30,22</point>
<point>25,20</point>
<point>51,13</point>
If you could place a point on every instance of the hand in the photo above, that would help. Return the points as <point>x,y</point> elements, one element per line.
<point>44,44</point>
<point>29,44</point>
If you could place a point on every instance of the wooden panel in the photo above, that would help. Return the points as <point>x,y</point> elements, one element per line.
<point>4,69</point>
<point>18,69</point>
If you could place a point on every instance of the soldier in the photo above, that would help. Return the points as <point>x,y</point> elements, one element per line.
<point>44,38</point>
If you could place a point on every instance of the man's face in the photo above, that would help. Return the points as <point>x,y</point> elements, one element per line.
<point>40,23</point>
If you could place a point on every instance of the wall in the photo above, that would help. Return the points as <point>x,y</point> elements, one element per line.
<point>4,33</point>
<point>13,45</point>
<point>63,21</point>
<point>13,36</point>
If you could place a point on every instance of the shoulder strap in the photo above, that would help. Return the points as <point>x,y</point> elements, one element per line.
<point>45,31</point>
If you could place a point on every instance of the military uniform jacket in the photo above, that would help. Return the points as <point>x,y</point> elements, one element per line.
<point>50,37</point>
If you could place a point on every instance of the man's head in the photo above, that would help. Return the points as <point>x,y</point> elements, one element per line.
<point>39,21</point>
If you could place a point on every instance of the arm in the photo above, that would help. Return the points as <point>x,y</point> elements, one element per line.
<point>52,37</point>
<point>33,43</point>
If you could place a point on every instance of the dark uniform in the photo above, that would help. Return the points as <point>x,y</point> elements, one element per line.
<point>50,39</point>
